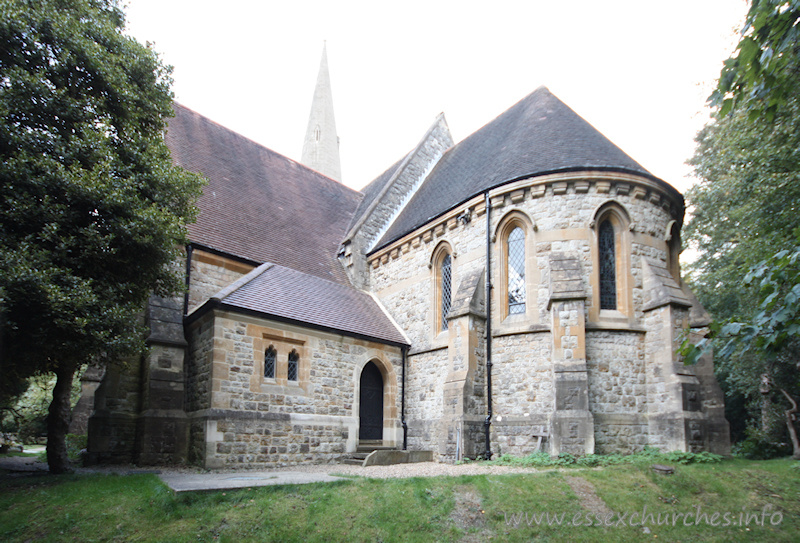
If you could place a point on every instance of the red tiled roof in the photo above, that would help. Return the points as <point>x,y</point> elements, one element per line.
<point>258,204</point>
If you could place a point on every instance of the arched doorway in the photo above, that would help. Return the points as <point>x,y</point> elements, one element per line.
<point>370,412</point>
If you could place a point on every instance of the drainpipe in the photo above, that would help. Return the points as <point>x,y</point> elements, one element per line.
<point>188,279</point>
<point>488,422</point>
<point>403,401</point>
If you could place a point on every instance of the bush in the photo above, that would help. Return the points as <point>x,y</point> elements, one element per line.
<point>704,457</point>
<point>648,455</point>
<point>75,444</point>
<point>760,446</point>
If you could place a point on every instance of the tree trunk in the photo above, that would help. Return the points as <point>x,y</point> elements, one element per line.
<point>766,403</point>
<point>58,420</point>
<point>790,425</point>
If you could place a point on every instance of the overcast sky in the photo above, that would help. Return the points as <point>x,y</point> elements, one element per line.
<point>639,71</point>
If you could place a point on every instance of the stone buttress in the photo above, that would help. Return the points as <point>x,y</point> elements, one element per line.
<point>139,407</point>
<point>463,406</point>
<point>685,410</point>
<point>572,424</point>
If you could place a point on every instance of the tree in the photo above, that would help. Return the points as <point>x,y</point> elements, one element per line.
<point>746,209</point>
<point>763,73</point>
<point>92,211</point>
<point>773,333</point>
<point>746,205</point>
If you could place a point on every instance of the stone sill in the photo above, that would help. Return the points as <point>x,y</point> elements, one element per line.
<point>519,329</point>
<point>615,327</point>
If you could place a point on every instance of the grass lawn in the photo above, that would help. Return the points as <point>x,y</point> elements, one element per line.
<point>469,508</point>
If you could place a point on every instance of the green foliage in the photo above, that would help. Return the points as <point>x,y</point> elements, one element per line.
<point>75,444</point>
<point>746,213</point>
<point>746,206</point>
<point>762,352</point>
<point>760,445</point>
<point>646,456</point>
<point>760,76</point>
<point>26,417</point>
<point>680,457</point>
<point>92,211</point>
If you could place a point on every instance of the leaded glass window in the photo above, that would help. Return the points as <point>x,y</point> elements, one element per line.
<point>270,359</point>
<point>446,291</point>
<point>293,366</point>
<point>516,272</point>
<point>608,266</point>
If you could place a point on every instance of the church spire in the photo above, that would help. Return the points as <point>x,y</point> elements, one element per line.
<point>321,146</point>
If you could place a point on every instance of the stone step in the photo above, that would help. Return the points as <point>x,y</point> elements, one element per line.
<point>363,449</point>
<point>352,461</point>
<point>361,455</point>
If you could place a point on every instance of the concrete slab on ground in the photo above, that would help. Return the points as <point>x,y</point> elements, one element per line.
<point>185,482</point>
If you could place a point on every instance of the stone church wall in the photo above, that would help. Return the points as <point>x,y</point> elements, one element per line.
<point>424,385</point>
<point>522,375</point>
<point>561,211</point>
<point>247,420</point>
<point>210,273</point>
<point>198,367</point>
<point>617,390</point>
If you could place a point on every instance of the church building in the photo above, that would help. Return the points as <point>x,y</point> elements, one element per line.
<point>517,291</point>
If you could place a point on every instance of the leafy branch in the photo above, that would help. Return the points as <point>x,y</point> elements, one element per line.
<point>762,73</point>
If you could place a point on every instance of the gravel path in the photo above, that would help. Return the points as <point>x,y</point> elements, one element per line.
<point>420,469</point>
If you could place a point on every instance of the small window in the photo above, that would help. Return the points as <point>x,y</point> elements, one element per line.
<point>608,266</point>
<point>270,359</point>
<point>516,272</point>
<point>293,366</point>
<point>446,290</point>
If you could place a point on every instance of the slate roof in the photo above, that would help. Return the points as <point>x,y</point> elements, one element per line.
<point>292,296</point>
<point>373,190</point>
<point>260,205</point>
<point>538,135</point>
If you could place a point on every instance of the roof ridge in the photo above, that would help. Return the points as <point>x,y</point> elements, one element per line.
<point>271,151</point>
<point>397,172</point>
<point>242,281</point>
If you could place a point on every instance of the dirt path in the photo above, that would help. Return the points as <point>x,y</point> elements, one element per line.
<point>587,495</point>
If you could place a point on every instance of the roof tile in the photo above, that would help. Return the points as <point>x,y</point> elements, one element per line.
<point>258,204</point>
<point>538,135</point>
<point>291,295</point>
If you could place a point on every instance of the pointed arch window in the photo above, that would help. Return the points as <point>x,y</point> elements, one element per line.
<point>270,361</point>
<point>292,369</point>
<point>608,266</point>
<point>516,271</point>
<point>446,278</point>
